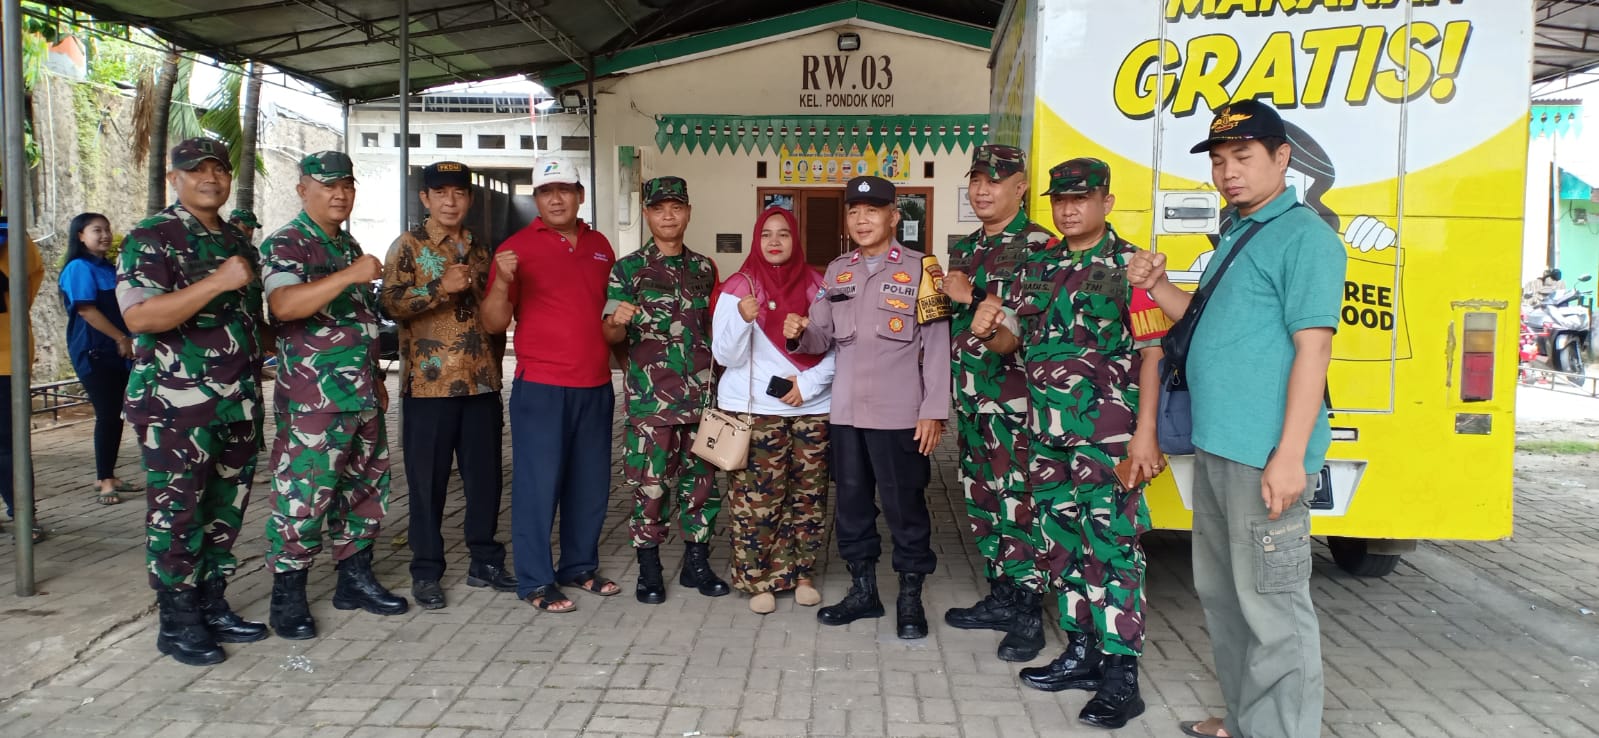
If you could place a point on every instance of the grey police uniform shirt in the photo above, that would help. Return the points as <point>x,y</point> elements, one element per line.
<point>891,371</point>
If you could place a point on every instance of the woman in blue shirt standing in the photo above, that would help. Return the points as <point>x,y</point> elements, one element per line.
<point>98,341</point>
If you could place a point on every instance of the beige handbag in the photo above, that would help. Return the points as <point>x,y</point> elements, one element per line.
<point>723,438</point>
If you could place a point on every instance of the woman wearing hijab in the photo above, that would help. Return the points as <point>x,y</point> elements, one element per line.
<point>779,500</point>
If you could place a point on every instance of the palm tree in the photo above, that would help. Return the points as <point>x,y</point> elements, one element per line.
<point>250,112</point>
<point>160,111</point>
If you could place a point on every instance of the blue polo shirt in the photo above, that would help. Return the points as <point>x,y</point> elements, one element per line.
<point>1288,279</point>
<point>90,280</point>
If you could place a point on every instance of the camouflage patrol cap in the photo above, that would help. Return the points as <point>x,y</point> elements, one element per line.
<point>1078,177</point>
<point>662,189</point>
<point>244,218</point>
<point>327,167</point>
<point>998,161</point>
<point>190,153</point>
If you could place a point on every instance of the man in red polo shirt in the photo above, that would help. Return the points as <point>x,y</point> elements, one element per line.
<point>550,277</point>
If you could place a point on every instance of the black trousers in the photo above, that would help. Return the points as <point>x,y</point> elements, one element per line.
<point>107,387</point>
<point>468,431</point>
<point>887,460</point>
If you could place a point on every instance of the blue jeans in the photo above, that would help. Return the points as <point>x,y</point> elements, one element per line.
<point>560,460</point>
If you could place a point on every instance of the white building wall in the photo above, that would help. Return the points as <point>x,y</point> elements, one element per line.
<point>930,77</point>
<point>376,220</point>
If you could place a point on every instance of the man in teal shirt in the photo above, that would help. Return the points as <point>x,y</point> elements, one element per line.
<point>1257,374</point>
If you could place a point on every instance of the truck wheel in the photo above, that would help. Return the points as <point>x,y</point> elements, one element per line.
<point>1352,555</point>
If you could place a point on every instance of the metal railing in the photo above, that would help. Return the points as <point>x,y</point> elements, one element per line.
<point>1558,381</point>
<point>53,397</point>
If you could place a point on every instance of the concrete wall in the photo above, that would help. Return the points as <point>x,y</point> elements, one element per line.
<point>85,136</point>
<point>1579,243</point>
<point>930,77</point>
<point>376,221</point>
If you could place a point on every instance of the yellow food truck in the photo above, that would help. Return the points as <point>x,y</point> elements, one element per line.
<point>1408,121</point>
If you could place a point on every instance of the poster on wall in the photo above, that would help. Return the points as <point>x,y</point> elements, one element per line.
<point>824,165</point>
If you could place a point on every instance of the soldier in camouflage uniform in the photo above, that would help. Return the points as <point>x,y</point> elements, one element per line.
<point>186,285</point>
<point>1070,318</point>
<point>245,221</point>
<point>991,406</point>
<point>659,303</point>
<point>330,458</point>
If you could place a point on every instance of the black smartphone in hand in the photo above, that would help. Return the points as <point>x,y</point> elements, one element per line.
<point>779,386</point>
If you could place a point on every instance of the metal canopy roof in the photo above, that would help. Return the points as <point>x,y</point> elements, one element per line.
<point>1566,39</point>
<point>351,48</point>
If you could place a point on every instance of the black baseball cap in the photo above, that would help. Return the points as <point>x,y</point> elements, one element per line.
<point>446,174</point>
<point>1242,121</point>
<point>873,190</point>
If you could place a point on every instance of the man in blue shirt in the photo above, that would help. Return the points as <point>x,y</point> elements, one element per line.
<point>1257,374</point>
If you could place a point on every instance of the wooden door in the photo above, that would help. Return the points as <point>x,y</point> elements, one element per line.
<point>821,214</point>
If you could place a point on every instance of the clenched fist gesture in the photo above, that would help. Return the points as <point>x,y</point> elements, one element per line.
<point>986,318</point>
<point>958,287</point>
<point>748,308</point>
<point>233,274</point>
<point>794,325</point>
<point>457,278</point>
<point>364,269</point>
<point>1146,269</point>
<point>623,315</point>
<point>505,264</point>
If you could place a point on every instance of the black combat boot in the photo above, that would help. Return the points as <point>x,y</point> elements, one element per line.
<point>1026,635</point>
<point>225,625</point>
<point>359,590</point>
<point>909,616</point>
<point>1078,667</point>
<point>651,589</point>
<point>183,634</point>
<point>993,612</point>
<point>860,602</point>
<point>1117,700</point>
<point>697,571</point>
<point>291,616</point>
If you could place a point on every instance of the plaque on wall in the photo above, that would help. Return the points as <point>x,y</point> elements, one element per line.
<point>729,243</point>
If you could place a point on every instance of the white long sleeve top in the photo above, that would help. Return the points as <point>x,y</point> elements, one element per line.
<point>731,341</point>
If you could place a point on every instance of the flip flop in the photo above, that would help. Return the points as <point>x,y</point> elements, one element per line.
<point>113,497</point>
<point>547,597</point>
<point>122,486</point>
<point>593,583</point>
<point>1192,727</point>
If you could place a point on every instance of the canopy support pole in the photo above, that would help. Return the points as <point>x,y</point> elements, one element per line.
<point>21,358</point>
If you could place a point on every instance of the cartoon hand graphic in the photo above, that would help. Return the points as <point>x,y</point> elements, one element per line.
<point>1369,234</point>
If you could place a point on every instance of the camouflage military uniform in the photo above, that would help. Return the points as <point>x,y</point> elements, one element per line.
<point>1082,364</point>
<point>991,411</point>
<point>668,384</point>
<point>193,397</point>
<point>330,458</point>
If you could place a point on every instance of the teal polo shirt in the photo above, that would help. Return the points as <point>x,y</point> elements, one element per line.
<point>1288,279</point>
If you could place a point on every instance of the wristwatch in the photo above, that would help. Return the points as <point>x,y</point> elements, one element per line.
<point>979,294</point>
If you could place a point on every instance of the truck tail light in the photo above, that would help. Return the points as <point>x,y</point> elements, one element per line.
<point>1477,365</point>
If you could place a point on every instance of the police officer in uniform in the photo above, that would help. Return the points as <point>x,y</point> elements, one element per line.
<point>1071,320</point>
<point>890,401</point>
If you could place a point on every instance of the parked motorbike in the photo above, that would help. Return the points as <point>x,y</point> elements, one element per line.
<point>1558,328</point>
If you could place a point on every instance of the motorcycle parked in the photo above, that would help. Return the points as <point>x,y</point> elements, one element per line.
<point>1558,328</point>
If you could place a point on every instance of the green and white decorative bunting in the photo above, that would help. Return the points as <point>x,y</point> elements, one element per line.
<point>761,134</point>
<point>1556,119</point>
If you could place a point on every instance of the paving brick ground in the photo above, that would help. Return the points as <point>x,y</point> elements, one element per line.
<point>1464,640</point>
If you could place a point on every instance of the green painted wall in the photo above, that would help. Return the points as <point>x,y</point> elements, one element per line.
<point>1579,243</point>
